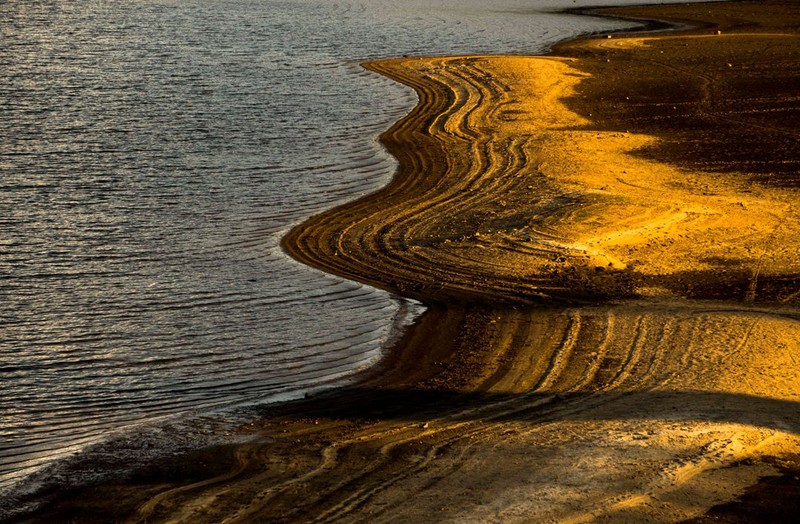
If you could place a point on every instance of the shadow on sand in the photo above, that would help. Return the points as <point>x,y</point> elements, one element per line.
<point>375,404</point>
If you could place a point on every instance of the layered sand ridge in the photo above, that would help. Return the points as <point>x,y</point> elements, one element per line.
<point>608,244</point>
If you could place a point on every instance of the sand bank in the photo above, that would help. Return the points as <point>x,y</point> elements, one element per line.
<point>608,243</point>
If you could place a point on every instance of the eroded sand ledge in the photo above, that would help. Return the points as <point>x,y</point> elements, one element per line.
<point>613,329</point>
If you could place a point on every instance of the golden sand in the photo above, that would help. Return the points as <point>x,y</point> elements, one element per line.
<point>508,195</point>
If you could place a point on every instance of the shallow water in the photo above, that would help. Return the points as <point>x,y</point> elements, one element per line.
<point>153,154</point>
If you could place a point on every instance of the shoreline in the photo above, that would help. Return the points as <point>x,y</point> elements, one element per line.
<point>453,160</point>
<point>610,329</point>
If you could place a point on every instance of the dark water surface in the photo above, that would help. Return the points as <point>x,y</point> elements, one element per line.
<point>152,154</point>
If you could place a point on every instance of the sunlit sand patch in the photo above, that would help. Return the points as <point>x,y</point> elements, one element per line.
<point>654,415</point>
<point>625,212</point>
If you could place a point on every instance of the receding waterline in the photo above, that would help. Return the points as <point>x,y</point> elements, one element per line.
<point>154,156</point>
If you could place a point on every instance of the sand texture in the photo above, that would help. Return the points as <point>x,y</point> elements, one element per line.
<point>609,246</point>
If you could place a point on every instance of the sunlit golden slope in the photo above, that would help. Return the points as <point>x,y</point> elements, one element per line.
<point>507,195</point>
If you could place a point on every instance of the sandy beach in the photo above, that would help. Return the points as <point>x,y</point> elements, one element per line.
<point>609,248</point>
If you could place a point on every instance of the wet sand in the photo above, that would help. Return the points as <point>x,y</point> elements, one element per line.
<point>609,248</point>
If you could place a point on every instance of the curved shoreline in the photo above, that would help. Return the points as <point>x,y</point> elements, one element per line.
<point>509,191</point>
<point>426,234</point>
<point>612,331</point>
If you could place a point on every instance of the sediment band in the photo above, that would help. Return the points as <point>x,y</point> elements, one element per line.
<point>516,184</point>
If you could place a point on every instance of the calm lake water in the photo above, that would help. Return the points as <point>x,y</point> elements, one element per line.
<point>152,154</point>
